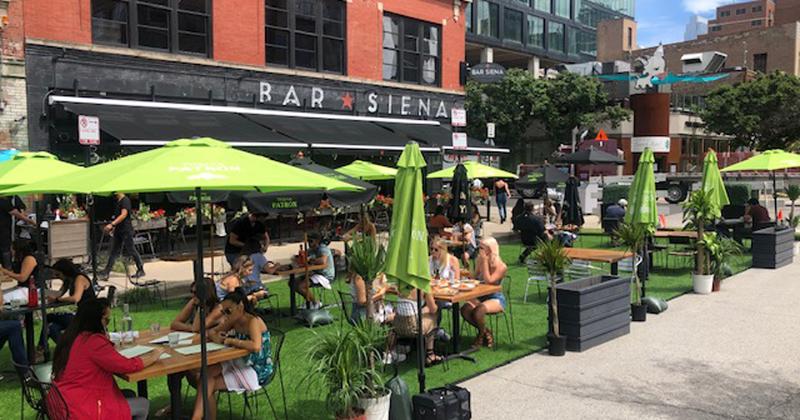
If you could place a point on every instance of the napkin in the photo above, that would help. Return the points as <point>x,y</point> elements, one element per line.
<point>135,351</point>
<point>195,349</point>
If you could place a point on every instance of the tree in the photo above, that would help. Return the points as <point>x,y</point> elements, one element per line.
<point>559,105</point>
<point>760,114</point>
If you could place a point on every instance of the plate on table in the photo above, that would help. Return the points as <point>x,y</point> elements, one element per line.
<point>467,286</point>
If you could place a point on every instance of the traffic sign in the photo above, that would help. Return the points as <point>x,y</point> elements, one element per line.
<point>88,130</point>
<point>459,141</point>
<point>490,130</point>
<point>601,136</point>
<point>458,117</point>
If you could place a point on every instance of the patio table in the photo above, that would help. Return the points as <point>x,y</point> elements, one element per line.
<point>599,255</point>
<point>27,312</point>
<point>173,367</point>
<point>446,295</point>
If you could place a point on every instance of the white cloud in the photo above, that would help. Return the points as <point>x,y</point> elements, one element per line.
<point>703,6</point>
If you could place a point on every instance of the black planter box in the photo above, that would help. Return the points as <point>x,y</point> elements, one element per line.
<point>773,248</point>
<point>593,310</point>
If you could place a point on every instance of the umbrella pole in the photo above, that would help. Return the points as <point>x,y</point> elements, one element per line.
<point>39,278</point>
<point>775,195</point>
<point>420,345</point>
<point>92,237</point>
<point>200,285</point>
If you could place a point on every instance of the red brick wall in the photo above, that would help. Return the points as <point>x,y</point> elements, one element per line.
<point>13,34</point>
<point>238,35</point>
<point>59,20</point>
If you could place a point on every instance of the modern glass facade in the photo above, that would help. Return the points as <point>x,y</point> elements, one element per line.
<point>561,30</point>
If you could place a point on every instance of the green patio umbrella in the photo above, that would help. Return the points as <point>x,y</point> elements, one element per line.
<point>474,170</point>
<point>642,208</point>
<point>181,165</point>
<point>27,167</point>
<point>407,256</point>
<point>368,171</point>
<point>771,160</point>
<point>712,183</point>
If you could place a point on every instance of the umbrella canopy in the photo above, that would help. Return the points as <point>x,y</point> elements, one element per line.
<point>591,156</point>
<point>182,165</point>
<point>474,170</point>
<point>368,171</point>
<point>460,204</point>
<point>549,175</point>
<point>7,154</point>
<point>642,196</point>
<point>771,160</point>
<point>28,167</point>
<point>572,213</point>
<point>712,183</point>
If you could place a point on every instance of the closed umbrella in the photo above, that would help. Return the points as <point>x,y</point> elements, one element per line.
<point>368,171</point>
<point>571,212</point>
<point>407,254</point>
<point>642,209</point>
<point>771,160</point>
<point>181,165</point>
<point>712,183</point>
<point>460,204</point>
<point>474,170</point>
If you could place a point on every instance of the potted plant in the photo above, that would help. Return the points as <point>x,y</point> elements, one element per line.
<point>721,250</point>
<point>633,236</point>
<point>343,361</point>
<point>366,258</point>
<point>550,255</point>
<point>698,211</point>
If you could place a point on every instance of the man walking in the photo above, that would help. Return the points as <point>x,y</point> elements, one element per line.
<point>121,230</point>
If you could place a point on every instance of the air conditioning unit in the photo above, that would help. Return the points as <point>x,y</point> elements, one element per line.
<point>704,62</point>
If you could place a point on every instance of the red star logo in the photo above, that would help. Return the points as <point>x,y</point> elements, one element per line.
<point>347,101</point>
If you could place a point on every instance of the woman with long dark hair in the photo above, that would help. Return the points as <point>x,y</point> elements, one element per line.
<point>76,289</point>
<point>25,265</point>
<point>250,333</point>
<point>84,365</point>
<point>188,318</point>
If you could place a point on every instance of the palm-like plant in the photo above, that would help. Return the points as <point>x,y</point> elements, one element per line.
<point>698,211</point>
<point>550,255</point>
<point>633,236</point>
<point>367,258</point>
<point>793,194</point>
<point>721,250</point>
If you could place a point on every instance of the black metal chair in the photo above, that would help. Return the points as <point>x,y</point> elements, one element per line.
<point>346,301</point>
<point>507,314</point>
<point>43,397</point>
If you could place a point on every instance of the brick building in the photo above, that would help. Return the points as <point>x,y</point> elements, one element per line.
<point>341,77</point>
<point>741,17</point>
<point>13,112</point>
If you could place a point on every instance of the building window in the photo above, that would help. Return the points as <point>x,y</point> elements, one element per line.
<point>488,19</point>
<point>305,34</point>
<point>555,36</point>
<point>587,43</point>
<point>411,50</point>
<point>756,22</point>
<point>757,9</point>
<point>535,31</point>
<point>543,5</point>
<point>716,28</point>
<point>512,25</point>
<point>741,11</point>
<point>166,25</point>
<point>630,38</point>
<point>572,41</point>
<point>525,2</point>
<point>724,13</point>
<point>760,62</point>
<point>468,17</point>
<point>562,8</point>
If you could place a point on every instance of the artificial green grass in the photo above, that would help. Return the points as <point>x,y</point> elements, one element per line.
<point>307,401</point>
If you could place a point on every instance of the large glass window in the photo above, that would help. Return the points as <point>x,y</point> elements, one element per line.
<point>411,50</point>
<point>543,5</point>
<point>572,41</point>
<point>555,36</point>
<point>587,43</point>
<point>535,31</point>
<point>590,13</point>
<point>512,25</point>
<point>468,17</point>
<point>305,34</point>
<point>488,19</point>
<point>562,8</point>
<point>180,26</point>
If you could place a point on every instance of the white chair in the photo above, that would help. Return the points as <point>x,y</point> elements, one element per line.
<point>579,269</point>
<point>535,275</point>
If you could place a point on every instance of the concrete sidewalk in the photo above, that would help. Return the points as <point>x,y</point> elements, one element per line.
<point>732,354</point>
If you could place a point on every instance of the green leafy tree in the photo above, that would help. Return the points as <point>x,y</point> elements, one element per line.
<point>558,105</point>
<point>761,114</point>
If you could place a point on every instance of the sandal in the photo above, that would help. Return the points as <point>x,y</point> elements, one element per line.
<point>478,343</point>
<point>433,359</point>
<point>489,338</point>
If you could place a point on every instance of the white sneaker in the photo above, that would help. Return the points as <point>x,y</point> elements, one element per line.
<point>315,306</point>
<point>390,358</point>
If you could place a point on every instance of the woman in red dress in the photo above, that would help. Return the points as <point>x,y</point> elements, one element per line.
<point>84,365</point>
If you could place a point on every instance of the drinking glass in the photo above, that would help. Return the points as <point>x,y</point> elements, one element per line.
<point>155,327</point>
<point>173,338</point>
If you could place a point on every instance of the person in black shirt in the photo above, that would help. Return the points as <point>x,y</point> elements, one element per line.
<point>532,230</point>
<point>121,230</point>
<point>11,208</point>
<point>248,235</point>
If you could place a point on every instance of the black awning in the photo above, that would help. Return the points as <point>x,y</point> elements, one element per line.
<point>335,134</point>
<point>439,136</point>
<point>152,126</point>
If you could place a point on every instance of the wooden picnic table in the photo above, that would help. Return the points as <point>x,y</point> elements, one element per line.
<point>446,295</point>
<point>686,234</point>
<point>291,274</point>
<point>174,366</point>
<point>599,255</point>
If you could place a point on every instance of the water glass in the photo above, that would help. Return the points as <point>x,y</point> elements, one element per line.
<point>173,338</point>
<point>155,327</point>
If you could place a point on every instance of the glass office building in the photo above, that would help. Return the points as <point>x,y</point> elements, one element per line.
<point>559,31</point>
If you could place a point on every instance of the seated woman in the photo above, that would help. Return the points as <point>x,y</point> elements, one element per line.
<point>242,268</point>
<point>25,265</point>
<point>358,291</point>
<point>76,289</point>
<point>11,331</point>
<point>444,265</point>
<point>490,269</point>
<point>84,365</point>
<point>405,322</point>
<point>245,374</point>
<point>188,319</point>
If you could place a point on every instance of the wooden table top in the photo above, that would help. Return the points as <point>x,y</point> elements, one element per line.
<point>191,256</point>
<point>691,234</point>
<point>176,362</point>
<point>597,255</point>
<point>480,290</point>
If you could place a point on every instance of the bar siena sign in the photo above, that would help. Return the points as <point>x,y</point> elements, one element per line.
<point>368,101</point>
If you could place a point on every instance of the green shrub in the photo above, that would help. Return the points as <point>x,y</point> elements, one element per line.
<point>738,194</point>
<point>614,192</point>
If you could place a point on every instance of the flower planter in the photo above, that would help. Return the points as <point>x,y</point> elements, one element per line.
<point>376,408</point>
<point>702,284</point>
<point>152,224</point>
<point>556,346</point>
<point>717,285</point>
<point>773,248</point>
<point>638,313</point>
<point>593,310</point>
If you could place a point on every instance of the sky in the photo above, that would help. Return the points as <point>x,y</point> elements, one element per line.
<point>665,20</point>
